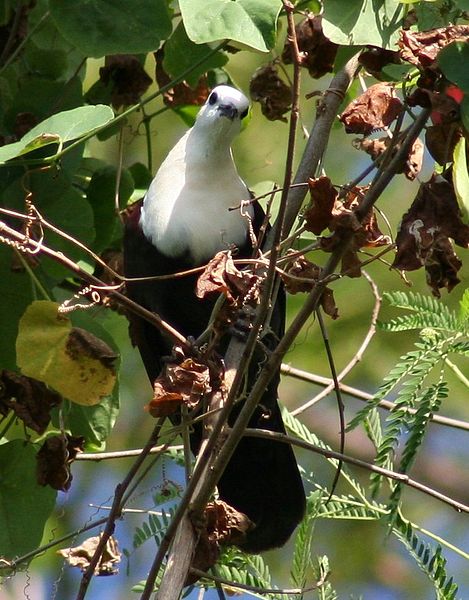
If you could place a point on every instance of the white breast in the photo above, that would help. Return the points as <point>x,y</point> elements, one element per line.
<point>186,208</point>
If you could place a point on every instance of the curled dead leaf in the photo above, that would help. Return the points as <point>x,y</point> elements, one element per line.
<point>318,214</point>
<point>375,58</point>
<point>30,399</point>
<point>421,48</point>
<point>127,79</point>
<point>317,52</point>
<point>181,94</point>
<point>273,94</point>
<point>80,556</point>
<point>301,275</point>
<point>375,109</point>
<point>54,459</point>
<point>223,277</point>
<point>375,147</point>
<point>184,383</point>
<point>222,525</point>
<point>365,234</point>
<point>423,237</point>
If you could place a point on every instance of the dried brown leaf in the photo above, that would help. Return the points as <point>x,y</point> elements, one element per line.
<point>423,237</point>
<point>30,399</point>
<point>365,234</point>
<point>421,48</point>
<point>375,147</point>
<point>222,525</point>
<point>54,459</point>
<point>374,109</point>
<point>127,78</point>
<point>187,382</point>
<point>375,58</point>
<point>80,556</point>
<point>181,94</point>
<point>221,276</point>
<point>318,214</point>
<point>317,52</point>
<point>301,276</point>
<point>273,94</point>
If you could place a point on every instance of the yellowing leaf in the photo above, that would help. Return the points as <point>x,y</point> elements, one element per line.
<point>461,179</point>
<point>69,359</point>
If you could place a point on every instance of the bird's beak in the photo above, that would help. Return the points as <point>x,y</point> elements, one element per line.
<point>228,110</point>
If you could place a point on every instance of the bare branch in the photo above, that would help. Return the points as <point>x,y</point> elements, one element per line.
<point>357,356</point>
<point>401,477</point>
<point>11,236</point>
<point>365,396</point>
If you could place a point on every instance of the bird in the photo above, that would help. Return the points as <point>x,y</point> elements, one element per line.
<point>186,218</point>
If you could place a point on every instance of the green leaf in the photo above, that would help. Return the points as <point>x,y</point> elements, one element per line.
<point>17,294</point>
<point>94,423</point>
<point>453,60</point>
<point>358,22</point>
<point>429,559</point>
<point>72,361</point>
<point>464,306</point>
<point>464,107</point>
<point>100,27</point>
<point>61,205</point>
<point>461,179</point>
<point>249,22</point>
<point>101,196</point>
<point>60,128</point>
<point>180,53</point>
<point>24,505</point>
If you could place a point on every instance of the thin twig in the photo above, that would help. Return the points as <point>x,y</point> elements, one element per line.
<point>338,395</point>
<point>365,396</point>
<point>114,514</point>
<point>401,477</point>
<point>257,590</point>
<point>15,236</point>
<point>357,357</point>
<point>99,456</point>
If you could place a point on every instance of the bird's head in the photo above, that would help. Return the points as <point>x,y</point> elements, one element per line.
<point>222,113</point>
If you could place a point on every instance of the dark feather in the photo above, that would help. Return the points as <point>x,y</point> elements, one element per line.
<point>262,478</point>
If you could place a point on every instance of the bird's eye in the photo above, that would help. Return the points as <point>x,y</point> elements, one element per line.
<point>244,113</point>
<point>213,98</point>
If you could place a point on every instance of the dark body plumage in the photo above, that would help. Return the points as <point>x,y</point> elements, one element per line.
<point>262,478</point>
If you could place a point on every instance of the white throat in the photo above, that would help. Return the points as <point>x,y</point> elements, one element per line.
<point>187,207</point>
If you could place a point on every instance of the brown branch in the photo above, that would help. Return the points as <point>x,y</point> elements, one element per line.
<point>99,456</point>
<point>357,356</point>
<point>257,590</point>
<point>365,396</point>
<point>331,454</point>
<point>115,512</point>
<point>13,237</point>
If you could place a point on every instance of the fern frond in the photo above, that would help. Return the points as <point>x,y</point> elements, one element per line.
<point>464,307</point>
<point>153,528</point>
<point>245,569</point>
<point>302,562</point>
<point>351,508</point>
<point>321,571</point>
<point>409,396</point>
<point>459,348</point>
<point>429,404</point>
<point>415,363</point>
<point>297,428</point>
<point>429,312</point>
<point>373,427</point>
<point>430,560</point>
